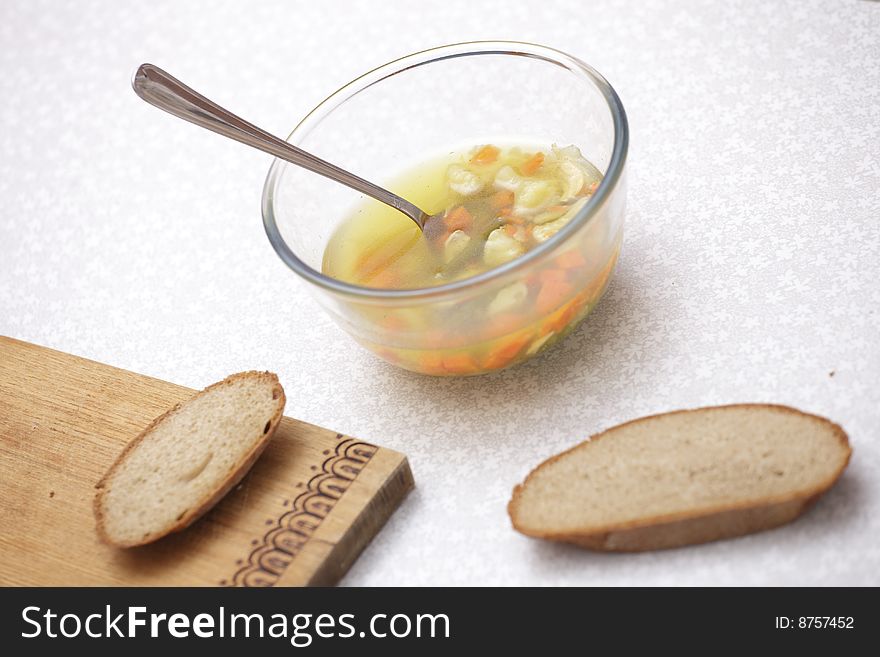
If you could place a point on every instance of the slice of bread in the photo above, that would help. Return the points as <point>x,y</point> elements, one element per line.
<point>186,460</point>
<point>683,477</point>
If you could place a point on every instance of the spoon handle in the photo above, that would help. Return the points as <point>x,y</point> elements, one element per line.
<point>170,94</point>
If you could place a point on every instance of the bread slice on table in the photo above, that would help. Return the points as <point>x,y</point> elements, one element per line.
<point>186,460</point>
<point>683,477</point>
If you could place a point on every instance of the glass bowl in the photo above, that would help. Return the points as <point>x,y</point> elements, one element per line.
<point>440,100</point>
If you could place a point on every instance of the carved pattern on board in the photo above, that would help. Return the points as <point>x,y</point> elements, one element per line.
<point>272,554</point>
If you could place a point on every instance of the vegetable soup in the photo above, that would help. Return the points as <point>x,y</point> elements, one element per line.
<point>491,205</point>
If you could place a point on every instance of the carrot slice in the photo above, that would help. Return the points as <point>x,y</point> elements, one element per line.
<point>505,352</point>
<point>564,316</point>
<point>504,324</point>
<point>460,363</point>
<point>385,279</point>
<point>554,289</point>
<point>501,199</point>
<point>380,257</point>
<point>532,164</point>
<point>571,260</point>
<point>431,363</point>
<point>458,219</point>
<point>486,155</point>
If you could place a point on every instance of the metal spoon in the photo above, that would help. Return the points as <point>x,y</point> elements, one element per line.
<point>167,93</point>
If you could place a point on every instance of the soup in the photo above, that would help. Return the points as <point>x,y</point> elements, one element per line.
<point>490,206</point>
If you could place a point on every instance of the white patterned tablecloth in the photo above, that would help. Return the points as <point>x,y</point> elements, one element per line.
<point>750,271</point>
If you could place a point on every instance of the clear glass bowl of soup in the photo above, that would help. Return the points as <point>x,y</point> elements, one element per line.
<point>410,125</point>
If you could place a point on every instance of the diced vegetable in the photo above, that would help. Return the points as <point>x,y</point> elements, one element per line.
<point>462,180</point>
<point>382,256</point>
<point>545,231</point>
<point>455,244</point>
<point>574,178</point>
<point>430,362</point>
<point>507,178</point>
<point>505,352</point>
<point>570,152</point>
<point>579,174</point>
<point>502,324</point>
<point>501,199</point>
<point>554,289</point>
<point>509,298</point>
<point>458,219</point>
<point>533,164</point>
<point>534,195</point>
<point>540,342</point>
<point>460,363</point>
<point>485,155</point>
<point>500,248</point>
<point>385,278</point>
<point>571,260</point>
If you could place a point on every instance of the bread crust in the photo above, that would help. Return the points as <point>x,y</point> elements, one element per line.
<point>689,527</point>
<point>202,506</point>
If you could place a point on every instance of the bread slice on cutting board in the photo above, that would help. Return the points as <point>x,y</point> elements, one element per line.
<point>683,477</point>
<point>186,460</point>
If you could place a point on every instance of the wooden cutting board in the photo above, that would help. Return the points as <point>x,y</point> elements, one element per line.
<point>300,517</point>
